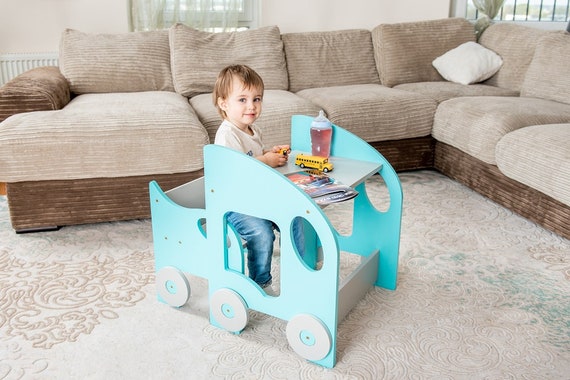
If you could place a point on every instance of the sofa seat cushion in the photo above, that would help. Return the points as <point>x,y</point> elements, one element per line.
<point>475,125</point>
<point>441,91</point>
<point>275,119</point>
<point>103,135</point>
<point>123,62</point>
<point>198,57</point>
<point>539,157</point>
<point>375,112</point>
<point>332,58</point>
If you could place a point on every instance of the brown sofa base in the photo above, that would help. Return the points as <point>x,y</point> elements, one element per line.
<point>48,205</point>
<point>489,181</point>
<point>408,154</point>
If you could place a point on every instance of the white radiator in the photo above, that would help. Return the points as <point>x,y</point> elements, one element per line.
<point>11,65</point>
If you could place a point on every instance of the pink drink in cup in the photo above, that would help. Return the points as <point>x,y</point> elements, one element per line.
<point>321,136</point>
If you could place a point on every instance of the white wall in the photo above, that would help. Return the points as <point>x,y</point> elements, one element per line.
<point>319,15</point>
<point>36,25</point>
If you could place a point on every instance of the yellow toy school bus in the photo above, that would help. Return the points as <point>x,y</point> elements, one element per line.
<point>314,162</point>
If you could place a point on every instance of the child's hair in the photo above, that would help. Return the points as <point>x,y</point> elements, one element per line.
<point>223,85</point>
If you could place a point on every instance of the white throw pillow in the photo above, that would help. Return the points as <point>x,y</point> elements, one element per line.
<point>468,63</point>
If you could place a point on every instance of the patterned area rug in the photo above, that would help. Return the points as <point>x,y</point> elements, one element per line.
<point>482,293</point>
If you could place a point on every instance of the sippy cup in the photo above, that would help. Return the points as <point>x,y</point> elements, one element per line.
<point>321,135</point>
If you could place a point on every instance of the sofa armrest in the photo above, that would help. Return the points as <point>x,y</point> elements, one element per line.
<point>39,89</point>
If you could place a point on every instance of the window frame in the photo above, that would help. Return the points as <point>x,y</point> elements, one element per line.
<point>458,8</point>
<point>248,19</point>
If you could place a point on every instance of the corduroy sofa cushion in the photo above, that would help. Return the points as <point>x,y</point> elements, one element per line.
<point>104,135</point>
<point>548,76</point>
<point>476,124</point>
<point>374,112</point>
<point>539,157</point>
<point>198,57</point>
<point>404,52</point>
<point>125,62</point>
<point>324,59</point>
<point>515,44</point>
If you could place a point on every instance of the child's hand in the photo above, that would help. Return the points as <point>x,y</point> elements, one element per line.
<point>277,156</point>
<point>282,149</point>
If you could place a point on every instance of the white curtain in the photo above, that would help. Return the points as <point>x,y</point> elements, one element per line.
<point>207,15</point>
<point>490,9</point>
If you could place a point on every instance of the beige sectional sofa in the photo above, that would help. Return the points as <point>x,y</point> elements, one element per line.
<point>81,141</point>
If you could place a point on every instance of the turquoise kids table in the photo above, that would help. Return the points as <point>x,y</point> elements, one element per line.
<point>191,236</point>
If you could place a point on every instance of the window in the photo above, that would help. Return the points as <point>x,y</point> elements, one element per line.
<point>216,11</point>
<point>207,15</point>
<point>547,14</point>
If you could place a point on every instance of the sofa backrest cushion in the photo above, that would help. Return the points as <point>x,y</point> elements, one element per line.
<point>124,62</point>
<point>405,51</point>
<point>548,76</point>
<point>515,44</point>
<point>198,57</point>
<point>325,59</point>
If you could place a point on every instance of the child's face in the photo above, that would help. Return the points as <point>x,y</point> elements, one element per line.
<point>242,106</point>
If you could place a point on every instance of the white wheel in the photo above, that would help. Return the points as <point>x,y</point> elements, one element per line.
<point>229,310</point>
<point>309,337</point>
<point>172,286</point>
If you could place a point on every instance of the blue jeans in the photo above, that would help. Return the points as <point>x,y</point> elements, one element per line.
<point>259,237</point>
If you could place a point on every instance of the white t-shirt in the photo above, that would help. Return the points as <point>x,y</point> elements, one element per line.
<point>231,136</point>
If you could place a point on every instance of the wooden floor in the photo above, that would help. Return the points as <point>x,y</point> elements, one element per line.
<point>2,188</point>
